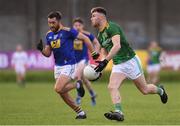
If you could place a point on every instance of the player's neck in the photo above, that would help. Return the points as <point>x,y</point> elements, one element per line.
<point>103,25</point>
<point>60,26</point>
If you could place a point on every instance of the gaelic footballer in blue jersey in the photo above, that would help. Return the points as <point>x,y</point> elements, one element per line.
<point>81,54</point>
<point>59,40</point>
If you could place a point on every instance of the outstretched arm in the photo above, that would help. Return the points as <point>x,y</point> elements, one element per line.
<point>87,41</point>
<point>96,44</point>
<point>46,51</point>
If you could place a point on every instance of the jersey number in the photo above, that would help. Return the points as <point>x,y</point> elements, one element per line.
<point>78,45</point>
<point>56,43</point>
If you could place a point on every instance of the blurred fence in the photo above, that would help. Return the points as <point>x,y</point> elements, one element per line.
<point>36,61</point>
<point>25,21</point>
<point>40,68</point>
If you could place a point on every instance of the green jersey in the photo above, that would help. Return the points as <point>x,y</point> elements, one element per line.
<point>154,54</point>
<point>105,39</point>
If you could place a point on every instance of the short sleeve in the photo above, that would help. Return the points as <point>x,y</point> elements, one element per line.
<point>114,30</point>
<point>47,40</point>
<point>74,33</point>
<point>91,37</point>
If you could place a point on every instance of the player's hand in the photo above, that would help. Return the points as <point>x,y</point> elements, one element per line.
<point>40,45</point>
<point>101,65</point>
<point>95,55</point>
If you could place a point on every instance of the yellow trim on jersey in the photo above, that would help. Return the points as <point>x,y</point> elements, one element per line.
<point>48,32</point>
<point>106,26</point>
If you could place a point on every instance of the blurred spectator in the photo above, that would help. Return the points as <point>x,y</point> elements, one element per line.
<point>19,64</point>
<point>153,63</point>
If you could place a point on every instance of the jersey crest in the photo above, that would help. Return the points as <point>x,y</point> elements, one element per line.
<point>56,43</point>
<point>78,44</point>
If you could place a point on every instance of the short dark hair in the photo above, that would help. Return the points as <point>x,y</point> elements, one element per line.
<point>78,19</point>
<point>99,10</point>
<point>55,14</point>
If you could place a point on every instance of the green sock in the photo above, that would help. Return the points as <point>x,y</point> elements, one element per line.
<point>118,107</point>
<point>160,91</point>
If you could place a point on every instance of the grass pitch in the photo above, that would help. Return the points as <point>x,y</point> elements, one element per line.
<point>39,104</point>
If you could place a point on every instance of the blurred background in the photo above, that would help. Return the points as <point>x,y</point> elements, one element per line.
<point>25,22</point>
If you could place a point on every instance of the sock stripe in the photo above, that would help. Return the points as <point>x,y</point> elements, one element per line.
<point>77,109</point>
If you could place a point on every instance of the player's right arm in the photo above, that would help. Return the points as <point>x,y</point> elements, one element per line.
<point>94,41</point>
<point>104,53</point>
<point>87,41</point>
<point>96,45</point>
<point>46,51</point>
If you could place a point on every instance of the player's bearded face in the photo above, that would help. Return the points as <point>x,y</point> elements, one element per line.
<point>95,19</point>
<point>53,24</point>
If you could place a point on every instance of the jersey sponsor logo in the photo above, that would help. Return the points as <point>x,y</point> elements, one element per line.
<point>56,43</point>
<point>78,44</point>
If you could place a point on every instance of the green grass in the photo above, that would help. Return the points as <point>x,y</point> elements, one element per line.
<point>39,104</point>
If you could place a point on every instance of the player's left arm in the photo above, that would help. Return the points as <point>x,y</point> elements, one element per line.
<point>87,41</point>
<point>116,47</point>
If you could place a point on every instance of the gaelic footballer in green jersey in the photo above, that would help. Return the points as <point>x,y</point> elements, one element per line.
<point>125,63</point>
<point>153,63</point>
<point>105,39</point>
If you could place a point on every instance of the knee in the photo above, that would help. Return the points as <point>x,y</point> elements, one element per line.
<point>145,91</point>
<point>58,90</point>
<point>112,88</point>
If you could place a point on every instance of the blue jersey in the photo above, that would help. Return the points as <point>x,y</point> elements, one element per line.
<point>62,45</point>
<point>81,50</point>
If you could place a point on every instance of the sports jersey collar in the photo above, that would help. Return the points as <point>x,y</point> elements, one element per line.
<point>106,26</point>
<point>60,28</point>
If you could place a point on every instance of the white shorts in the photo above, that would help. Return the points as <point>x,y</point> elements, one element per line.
<point>82,63</point>
<point>20,70</point>
<point>131,68</point>
<point>67,70</point>
<point>153,68</point>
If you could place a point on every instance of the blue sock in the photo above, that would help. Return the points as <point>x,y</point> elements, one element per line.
<point>91,92</point>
